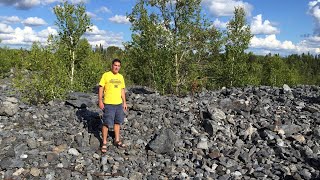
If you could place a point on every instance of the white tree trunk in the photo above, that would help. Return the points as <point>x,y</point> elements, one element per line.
<point>232,72</point>
<point>72,68</point>
<point>177,73</point>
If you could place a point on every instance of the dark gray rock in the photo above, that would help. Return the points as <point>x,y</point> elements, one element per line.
<point>81,100</point>
<point>164,142</point>
<point>233,133</point>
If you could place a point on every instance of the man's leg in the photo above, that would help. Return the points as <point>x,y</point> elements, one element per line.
<point>104,138</point>
<point>106,122</point>
<point>119,118</point>
<point>116,129</point>
<point>104,134</point>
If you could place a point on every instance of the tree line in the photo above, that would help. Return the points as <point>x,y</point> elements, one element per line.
<point>174,49</point>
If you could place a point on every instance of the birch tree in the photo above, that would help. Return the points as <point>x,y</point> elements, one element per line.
<point>238,39</point>
<point>73,22</point>
<point>169,37</point>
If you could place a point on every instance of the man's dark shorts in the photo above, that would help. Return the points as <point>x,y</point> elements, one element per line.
<point>112,114</point>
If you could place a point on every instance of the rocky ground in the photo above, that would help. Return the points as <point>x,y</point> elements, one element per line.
<point>238,133</point>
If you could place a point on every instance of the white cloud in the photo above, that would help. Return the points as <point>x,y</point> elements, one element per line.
<point>217,23</point>
<point>34,21</point>
<point>28,4</point>
<point>78,1</point>
<point>45,2</point>
<point>10,19</point>
<point>315,40</point>
<point>46,32</point>
<point>265,27</point>
<point>5,29</point>
<point>19,37</point>
<point>119,19</point>
<point>97,37</point>
<point>25,36</point>
<point>90,14</point>
<point>104,9</point>
<point>270,43</point>
<point>310,44</point>
<point>226,7</point>
<point>20,4</point>
<point>94,16</point>
<point>314,11</point>
<point>96,31</point>
<point>4,37</point>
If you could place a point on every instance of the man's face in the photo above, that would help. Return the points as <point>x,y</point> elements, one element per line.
<point>116,67</point>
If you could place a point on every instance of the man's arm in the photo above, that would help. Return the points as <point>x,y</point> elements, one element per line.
<point>100,95</point>
<point>124,102</point>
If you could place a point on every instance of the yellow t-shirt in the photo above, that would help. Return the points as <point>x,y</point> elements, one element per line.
<point>113,85</point>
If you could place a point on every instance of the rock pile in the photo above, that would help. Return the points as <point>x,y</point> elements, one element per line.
<point>238,133</point>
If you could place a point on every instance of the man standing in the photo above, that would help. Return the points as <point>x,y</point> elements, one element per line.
<point>111,87</point>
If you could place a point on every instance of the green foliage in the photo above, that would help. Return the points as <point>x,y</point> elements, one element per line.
<point>173,49</point>
<point>89,72</point>
<point>73,22</point>
<point>237,41</point>
<point>82,51</point>
<point>169,42</point>
<point>44,73</point>
<point>11,59</point>
<point>276,72</point>
<point>113,52</point>
<point>42,77</point>
<point>255,68</point>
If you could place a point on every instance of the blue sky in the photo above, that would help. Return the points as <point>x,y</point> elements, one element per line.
<point>279,26</point>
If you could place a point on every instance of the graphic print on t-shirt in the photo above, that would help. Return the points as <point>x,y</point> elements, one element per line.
<point>115,82</point>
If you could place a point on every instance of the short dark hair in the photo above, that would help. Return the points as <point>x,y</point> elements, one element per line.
<point>116,60</point>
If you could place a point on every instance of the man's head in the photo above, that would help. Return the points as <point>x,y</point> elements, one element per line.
<point>116,64</point>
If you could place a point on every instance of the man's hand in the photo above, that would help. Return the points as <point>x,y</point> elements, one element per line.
<point>100,95</point>
<point>101,105</point>
<point>125,107</point>
<point>124,103</point>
